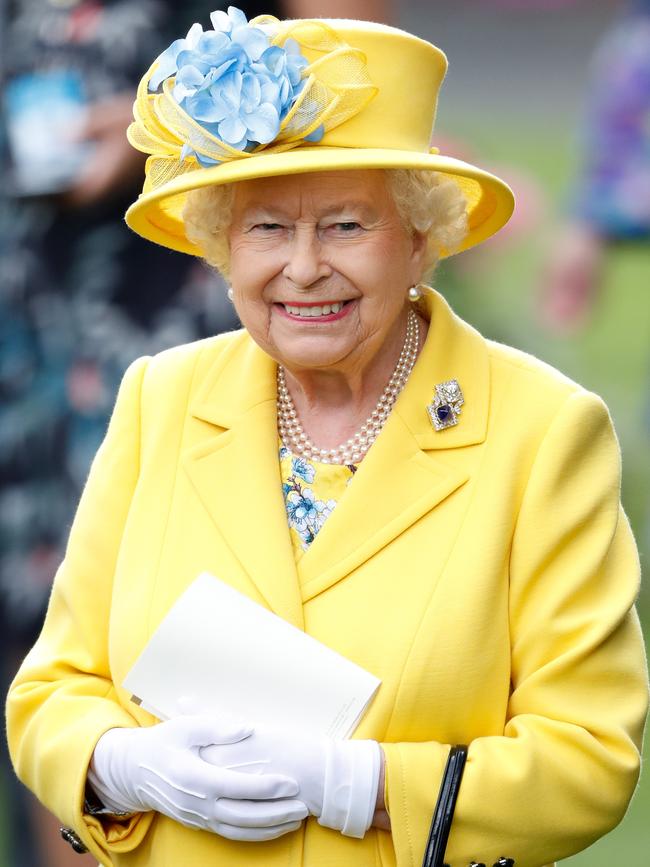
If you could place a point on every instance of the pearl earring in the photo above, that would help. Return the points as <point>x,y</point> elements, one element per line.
<point>230,293</point>
<point>414,294</point>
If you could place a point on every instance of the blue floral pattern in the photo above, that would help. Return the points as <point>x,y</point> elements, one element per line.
<point>311,492</point>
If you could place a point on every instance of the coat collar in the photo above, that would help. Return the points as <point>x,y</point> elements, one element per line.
<point>236,471</point>
<point>453,350</point>
<point>244,376</point>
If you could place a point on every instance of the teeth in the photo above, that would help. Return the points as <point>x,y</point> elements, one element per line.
<point>313,311</point>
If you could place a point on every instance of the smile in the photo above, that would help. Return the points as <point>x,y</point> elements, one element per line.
<point>327,312</point>
<point>322,310</point>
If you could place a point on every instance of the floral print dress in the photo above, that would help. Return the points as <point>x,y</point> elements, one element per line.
<point>311,491</point>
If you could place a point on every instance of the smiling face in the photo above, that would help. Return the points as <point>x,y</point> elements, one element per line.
<point>320,267</point>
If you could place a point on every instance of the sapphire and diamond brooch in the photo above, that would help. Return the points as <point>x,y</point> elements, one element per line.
<point>444,409</point>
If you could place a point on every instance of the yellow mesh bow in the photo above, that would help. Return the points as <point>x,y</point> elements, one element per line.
<point>337,87</point>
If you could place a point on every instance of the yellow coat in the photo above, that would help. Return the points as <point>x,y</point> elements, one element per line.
<point>485,573</point>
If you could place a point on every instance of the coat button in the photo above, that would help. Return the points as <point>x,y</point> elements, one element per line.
<point>504,862</point>
<point>73,839</point>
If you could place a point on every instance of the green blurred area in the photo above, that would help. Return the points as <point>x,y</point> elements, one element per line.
<point>497,290</point>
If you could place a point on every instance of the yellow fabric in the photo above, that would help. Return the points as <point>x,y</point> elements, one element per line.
<point>320,485</point>
<point>486,574</point>
<point>387,124</point>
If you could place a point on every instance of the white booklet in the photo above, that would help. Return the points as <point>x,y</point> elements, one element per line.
<point>219,651</point>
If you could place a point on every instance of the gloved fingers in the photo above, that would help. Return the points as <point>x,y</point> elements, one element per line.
<point>256,787</point>
<point>257,835</point>
<point>222,783</point>
<point>230,756</point>
<point>189,777</point>
<point>237,820</point>
<point>203,730</point>
<point>158,800</point>
<point>259,814</point>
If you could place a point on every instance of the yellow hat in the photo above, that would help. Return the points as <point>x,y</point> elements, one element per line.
<point>368,93</point>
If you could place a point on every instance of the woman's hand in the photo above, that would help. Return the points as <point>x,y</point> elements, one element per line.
<point>161,768</point>
<point>338,779</point>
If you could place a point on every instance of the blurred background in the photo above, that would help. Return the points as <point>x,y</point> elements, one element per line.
<point>552,95</point>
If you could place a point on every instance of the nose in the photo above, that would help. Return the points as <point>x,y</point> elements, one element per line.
<point>305,263</point>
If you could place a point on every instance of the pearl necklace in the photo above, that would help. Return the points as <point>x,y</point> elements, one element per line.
<point>353,450</point>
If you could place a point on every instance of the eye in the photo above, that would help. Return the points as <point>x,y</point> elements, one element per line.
<point>264,228</point>
<point>345,228</point>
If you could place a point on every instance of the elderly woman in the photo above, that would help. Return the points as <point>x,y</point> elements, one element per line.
<point>439,509</point>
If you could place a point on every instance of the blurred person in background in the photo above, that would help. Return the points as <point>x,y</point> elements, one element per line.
<point>612,193</point>
<point>75,305</point>
<point>598,273</point>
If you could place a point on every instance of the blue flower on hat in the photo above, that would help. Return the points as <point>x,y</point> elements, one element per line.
<point>233,82</point>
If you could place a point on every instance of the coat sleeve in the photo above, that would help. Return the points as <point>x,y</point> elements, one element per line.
<point>565,768</point>
<point>63,699</point>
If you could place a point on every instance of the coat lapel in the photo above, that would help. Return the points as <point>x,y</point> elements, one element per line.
<point>395,485</point>
<point>235,472</point>
<point>405,475</point>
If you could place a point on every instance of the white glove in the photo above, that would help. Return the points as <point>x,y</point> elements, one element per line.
<point>160,768</point>
<point>338,778</point>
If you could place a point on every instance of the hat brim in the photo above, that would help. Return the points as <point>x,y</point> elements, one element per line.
<point>157,214</point>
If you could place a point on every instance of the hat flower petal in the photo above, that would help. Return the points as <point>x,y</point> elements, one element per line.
<point>270,91</point>
<point>217,71</point>
<point>190,76</point>
<point>251,91</point>
<point>213,42</point>
<point>253,40</point>
<point>263,123</point>
<point>233,130</point>
<point>166,63</point>
<point>274,59</point>
<point>193,35</point>
<point>226,22</point>
<point>207,110</point>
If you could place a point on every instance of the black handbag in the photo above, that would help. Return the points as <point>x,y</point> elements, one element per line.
<point>443,814</point>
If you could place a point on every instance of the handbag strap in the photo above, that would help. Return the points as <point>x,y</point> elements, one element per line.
<point>445,806</point>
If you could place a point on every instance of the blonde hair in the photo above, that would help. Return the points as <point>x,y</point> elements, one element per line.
<point>427,202</point>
